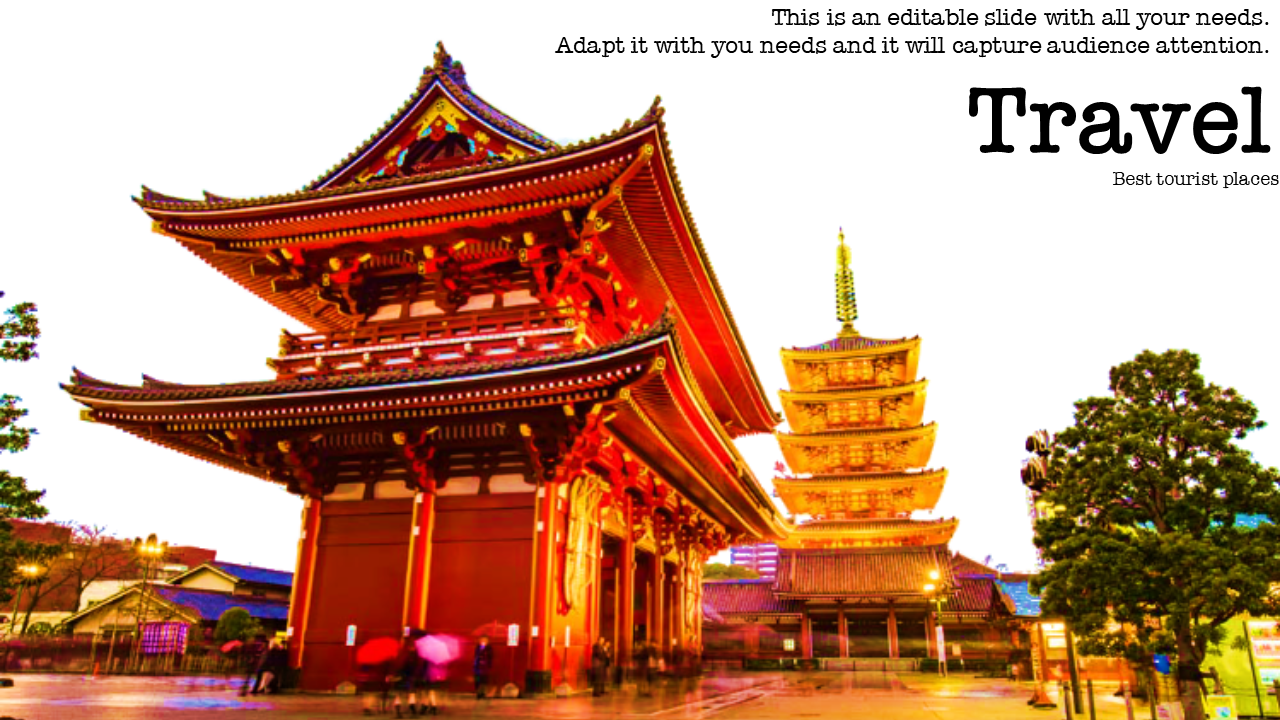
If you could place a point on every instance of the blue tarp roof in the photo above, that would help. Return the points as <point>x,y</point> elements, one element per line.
<point>1027,605</point>
<point>210,604</point>
<point>249,573</point>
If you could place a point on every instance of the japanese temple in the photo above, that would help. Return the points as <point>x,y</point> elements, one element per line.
<point>511,401</point>
<point>859,577</point>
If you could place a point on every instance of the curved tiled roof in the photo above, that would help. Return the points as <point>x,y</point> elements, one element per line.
<point>978,596</point>
<point>1026,604</point>
<point>747,597</point>
<point>828,526</point>
<point>856,342</point>
<point>210,604</point>
<point>249,573</point>
<point>449,73</point>
<point>856,478</point>
<point>84,386</point>
<point>848,573</point>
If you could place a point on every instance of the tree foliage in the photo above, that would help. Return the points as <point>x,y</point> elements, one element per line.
<point>1144,494</point>
<point>19,330</point>
<point>720,571</point>
<point>236,624</point>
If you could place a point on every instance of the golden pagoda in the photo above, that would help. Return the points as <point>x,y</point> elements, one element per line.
<point>854,408</point>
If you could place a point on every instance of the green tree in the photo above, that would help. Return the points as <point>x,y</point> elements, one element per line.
<point>1144,492</point>
<point>720,571</point>
<point>236,624</point>
<point>19,331</point>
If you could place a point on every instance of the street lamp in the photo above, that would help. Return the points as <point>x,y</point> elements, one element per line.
<point>149,551</point>
<point>29,573</point>
<point>934,592</point>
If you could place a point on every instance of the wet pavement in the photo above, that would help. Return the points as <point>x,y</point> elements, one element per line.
<point>732,696</point>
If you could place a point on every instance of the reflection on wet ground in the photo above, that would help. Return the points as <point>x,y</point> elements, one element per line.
<point>726,696</point>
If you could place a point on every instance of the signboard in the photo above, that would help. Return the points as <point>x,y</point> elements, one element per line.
<point>1265,638</point>
<point>1221,707</point>
<point>533,631</point>
<point>513,635</point>
<point>955,649</point>
<point>789,644</point>
<point>942,645</point>
<point>567,635</point>
<point>351,636</point>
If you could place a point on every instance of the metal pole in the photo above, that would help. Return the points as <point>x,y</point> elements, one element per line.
<point>1253,668</point>
<point>1152,693</point>
<point>1092,714</point>
<point>1128,700</point>
<point>1063,688</point>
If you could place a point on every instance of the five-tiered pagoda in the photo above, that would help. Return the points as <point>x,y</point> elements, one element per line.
<point>857,578</point>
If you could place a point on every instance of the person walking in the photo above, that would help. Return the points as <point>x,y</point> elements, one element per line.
<point>599,667</point>
<point>481,665</point>
<point>252,659</point>
<point>644,667</point>
<point>608,664</point>
<point>273,666</point>
<point>371,684</point>
<point>404,678</point>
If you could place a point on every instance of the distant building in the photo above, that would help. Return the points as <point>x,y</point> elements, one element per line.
<point>196,598</point>
<point>762,558</point>
<point>96,566</point>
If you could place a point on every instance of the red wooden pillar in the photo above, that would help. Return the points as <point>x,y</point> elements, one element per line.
<point>419,572</point>
<point>538,677</point>
<point>842,624</point>
<point>682,602</point>
<point>303,578</point>
<point>806,636</point>
<point>893,632</point>
<point>657,606</point>
<point>626,592</point>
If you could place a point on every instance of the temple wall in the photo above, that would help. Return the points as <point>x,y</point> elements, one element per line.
<point>481,572</point>
<point>359,580</point>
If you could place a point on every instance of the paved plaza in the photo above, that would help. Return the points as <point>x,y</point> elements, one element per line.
<point>733,696</point>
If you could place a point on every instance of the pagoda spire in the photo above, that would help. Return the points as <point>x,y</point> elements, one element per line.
<point>846,298</point>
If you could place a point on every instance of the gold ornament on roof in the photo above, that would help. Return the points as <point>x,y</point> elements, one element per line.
<point>846,300</point>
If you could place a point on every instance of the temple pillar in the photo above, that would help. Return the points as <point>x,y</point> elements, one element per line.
<point>682,603</point>
<point>303,578</point>
<point>751,639</point>
<point>419,575</point>
<point>806,636</point>
<point>626,593</point>
<point>842,624</point>
<point>538,676</point>
<point>893,631</point>
<point>657,606</point>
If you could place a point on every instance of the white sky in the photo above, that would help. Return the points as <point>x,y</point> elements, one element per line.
<point>1028,276</point>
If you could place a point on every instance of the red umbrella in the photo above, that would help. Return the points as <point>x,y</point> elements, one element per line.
<point>493,629</point>
<point>230,647</point>
<point>378,650</point>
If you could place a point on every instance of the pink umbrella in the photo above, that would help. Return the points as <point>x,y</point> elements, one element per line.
<point>230,647</point>
<point>438,649</point>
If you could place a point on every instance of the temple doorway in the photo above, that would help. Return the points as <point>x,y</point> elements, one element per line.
<point>868,636</point>
<point>607,600</point>
<point>911,636</point>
